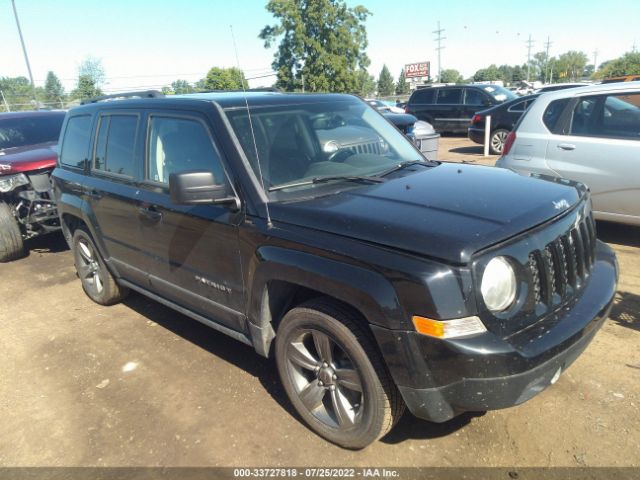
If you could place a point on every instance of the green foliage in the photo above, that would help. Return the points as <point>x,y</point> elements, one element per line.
<point>366,84</point>
<point>17,92</point>
<point>219,79</point>
<point>92,68</point>
<point>487,74</point>
<point>570,65</point>
<point>53,90</point>
<point>86,88</point>
<point>180,87</point>
<point>386,85</point>
<point>450,75</point>
<point>628,64</point>
<point>402,87</point>
<point>324,40</point>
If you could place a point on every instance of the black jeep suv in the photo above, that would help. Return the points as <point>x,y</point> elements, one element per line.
<point>310,228</point>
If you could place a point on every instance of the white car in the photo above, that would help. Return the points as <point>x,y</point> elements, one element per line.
<point>589,134</point>
<point>384,106</point>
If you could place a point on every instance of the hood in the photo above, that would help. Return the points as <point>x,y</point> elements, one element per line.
<point>449,211</point>
<point>28,158</point>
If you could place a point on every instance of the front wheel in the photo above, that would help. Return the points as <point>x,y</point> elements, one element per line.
<point>11,245</point>
<point>335,376</point>
<point>497,140</point>
<point>97,281</point>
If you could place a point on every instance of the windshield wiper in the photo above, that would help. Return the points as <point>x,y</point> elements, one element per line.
<point>401,165</point>
<point>314,180</point>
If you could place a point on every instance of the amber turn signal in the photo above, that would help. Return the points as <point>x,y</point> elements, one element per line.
<point>458,327</point>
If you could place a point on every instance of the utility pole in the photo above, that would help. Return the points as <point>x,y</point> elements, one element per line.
<point>595,60</point>
<point>529,45</point>
<point>439,48</point>
<point>24,50</point>
<point>546,59</point>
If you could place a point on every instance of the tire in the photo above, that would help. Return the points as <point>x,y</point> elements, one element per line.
<point>97,281</point>
<point>11,245</point>
<point>334,375</point>
<point>496,141</point>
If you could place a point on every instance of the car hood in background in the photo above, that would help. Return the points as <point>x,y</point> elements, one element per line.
<point>449,211</point>
<point>27,158</point>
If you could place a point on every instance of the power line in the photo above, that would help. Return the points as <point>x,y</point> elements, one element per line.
<point>439,48</point>
<point>529,45</point>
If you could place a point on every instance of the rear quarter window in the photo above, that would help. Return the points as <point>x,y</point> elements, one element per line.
<point>75,143</point>
<point>553,113</point>
<point>424,95</point>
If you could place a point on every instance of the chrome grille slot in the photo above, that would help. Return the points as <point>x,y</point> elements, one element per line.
<point>373,148</point>
<point>535,278</point>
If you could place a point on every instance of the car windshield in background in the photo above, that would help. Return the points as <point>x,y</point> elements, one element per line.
<point>31,130</point>
<point>297,144</point>
<point>501,94</point>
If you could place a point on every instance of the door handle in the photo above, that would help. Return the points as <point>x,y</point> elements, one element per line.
<point>150,212</point>
<point>566,146</point>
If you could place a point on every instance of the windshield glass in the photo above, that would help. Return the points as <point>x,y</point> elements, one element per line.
<point>29,130</point>
<point>501,94</point>
<point>303,141</point>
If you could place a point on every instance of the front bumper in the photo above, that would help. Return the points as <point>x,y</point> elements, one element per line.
<point>440,379</point>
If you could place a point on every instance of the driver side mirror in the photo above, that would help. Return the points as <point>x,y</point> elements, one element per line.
<point>199,187</point>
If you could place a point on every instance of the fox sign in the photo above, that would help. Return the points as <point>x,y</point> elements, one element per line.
<point>420,69</point>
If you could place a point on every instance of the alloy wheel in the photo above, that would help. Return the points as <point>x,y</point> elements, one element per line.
<point>89,267</point>
<point>325,379</point>
<point>497,140</point>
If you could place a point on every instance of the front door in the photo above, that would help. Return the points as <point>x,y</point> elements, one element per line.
<point>194,251</point>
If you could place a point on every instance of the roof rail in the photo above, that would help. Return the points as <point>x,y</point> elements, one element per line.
<point>118,96</point>
<point>258,89</point>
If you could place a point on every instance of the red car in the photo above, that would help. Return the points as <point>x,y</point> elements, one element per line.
<point>27,158</point>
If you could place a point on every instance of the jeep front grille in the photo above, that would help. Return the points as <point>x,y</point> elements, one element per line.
<point>373,147</point>
<point>563,263</point>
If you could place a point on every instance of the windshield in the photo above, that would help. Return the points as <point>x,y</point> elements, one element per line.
<point>501,94</point>
<point>29,130</point>
<point>334,138</point>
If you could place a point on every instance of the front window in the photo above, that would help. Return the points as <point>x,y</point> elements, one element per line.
<point>500,94</point>
<point>30,130</point>
<point>297,143</point>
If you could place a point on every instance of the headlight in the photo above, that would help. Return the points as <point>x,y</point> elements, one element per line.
<point>10,182</point>
<point>331,147</point>
<point>498,285</point>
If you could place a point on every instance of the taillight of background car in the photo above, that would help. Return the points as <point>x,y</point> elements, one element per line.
<point>477,119</point>
<point>508,143</point>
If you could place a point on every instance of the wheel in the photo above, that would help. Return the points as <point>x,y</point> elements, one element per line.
<point>97,281</point>
<point>496,141</point>
<point>11,246</point>
<point>335,376</point>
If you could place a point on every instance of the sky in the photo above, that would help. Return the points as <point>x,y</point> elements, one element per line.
<point>146,44</point>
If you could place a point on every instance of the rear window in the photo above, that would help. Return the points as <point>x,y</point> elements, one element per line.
<point>500,94</point>
<point>552,114</point>
<point>30,130</point>
<point>116,143</point>
<point>450,96</point>
<point>424,95</point>
<point>75,144</point>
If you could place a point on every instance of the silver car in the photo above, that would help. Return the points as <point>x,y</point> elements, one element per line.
<point>590,134</point>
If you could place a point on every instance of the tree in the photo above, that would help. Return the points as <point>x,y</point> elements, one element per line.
<point>180,87</point>
<point>402,87</point>
<point>450,75</point>
<point>17,92</point>
<point>324,40</point>
<point>92,69</point>
<point>570,65</point>
<point>386,85</point>
<point>366,84</point>
<point>506,73</point>
<point>86,88</point>
<point>487,74</point>
<point>628,64</point>
<point>222,79</point>
<point>53,89</point>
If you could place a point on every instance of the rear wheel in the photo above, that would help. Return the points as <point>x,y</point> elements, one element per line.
<point>497,140</point>
<point>11,245</point>
<point>97,281</point>
<point>335,376</point>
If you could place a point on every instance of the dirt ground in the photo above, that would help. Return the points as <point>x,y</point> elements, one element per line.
<point>137,384</point>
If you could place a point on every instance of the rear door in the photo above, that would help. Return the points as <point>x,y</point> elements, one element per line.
<point>601,148</point>
<point>474,100</point>
<point>448,110</point>
<point>112,192</point>
<point>194,250</point>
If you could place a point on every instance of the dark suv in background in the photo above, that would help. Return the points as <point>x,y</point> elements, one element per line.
<point>450,108</point>
<point>310,228</point>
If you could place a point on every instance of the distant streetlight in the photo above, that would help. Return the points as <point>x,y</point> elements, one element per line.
<point>24,50</point>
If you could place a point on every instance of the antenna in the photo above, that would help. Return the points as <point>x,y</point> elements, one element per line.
<point>253,135</point>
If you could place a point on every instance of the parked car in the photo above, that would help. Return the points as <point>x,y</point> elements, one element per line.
<point>376,278</point>
<point>503,118</point>
<point>422,134</point>
<point>384,107</point>
<point>552,87</point>
<point>27,158</point>
<point>450,109</point>
<point>589,134</point>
